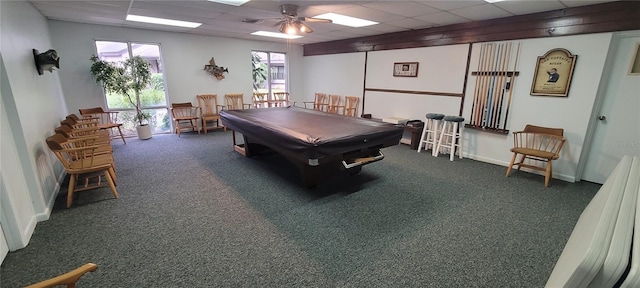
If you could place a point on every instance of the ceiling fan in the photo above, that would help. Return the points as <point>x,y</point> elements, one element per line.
<point>291,23</point>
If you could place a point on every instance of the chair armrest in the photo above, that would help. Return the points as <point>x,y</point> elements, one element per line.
<point>68,278</point>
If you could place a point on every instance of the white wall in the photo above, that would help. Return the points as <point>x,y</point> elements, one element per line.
<point>184,57</point>
<point>32,105</point>
<point>343,76</point>
<point>571,113</point>
<point>442,69</point>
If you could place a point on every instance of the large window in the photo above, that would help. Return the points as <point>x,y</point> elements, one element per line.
<point>152,100</point>
<point>269,72</point>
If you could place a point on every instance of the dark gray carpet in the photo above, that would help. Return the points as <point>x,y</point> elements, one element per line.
<point>193,213</point>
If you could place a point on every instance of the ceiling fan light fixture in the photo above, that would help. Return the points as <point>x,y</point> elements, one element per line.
<point>303,27</point>
<point>293,27</point>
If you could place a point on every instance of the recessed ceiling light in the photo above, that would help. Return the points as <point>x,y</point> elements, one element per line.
<point>346,20</point>
<point>230,2</point>
<point>494,1</point>
<point>276,35</point>
<point>162,21</point>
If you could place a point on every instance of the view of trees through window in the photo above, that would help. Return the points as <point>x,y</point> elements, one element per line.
<point>269,72</point>
<point>153,99</point>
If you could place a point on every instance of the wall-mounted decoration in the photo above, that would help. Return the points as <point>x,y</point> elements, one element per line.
<point>554,71</point>
<point>495,82</point>
<point>634,66</point>
<point>405,69</point>
<point>215,70</point>
<point>46,61</point>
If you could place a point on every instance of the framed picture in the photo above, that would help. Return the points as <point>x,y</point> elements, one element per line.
<point>554,71</point>
<point>634,67</point>
<point>405,69</point>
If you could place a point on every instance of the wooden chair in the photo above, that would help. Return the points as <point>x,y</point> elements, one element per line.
<point>84,166</point>
<point>539,144</point>
<point>320,103</point>
<point>261,100</point>
<point>210,111</point>
<point>185,116</point>
<point>351,106</point>
<point>280,99</point>
<point>334,104</point>
<point>108,120</point>
<point>66,129</point>
<point>235,101</point>
<point>68,279</point>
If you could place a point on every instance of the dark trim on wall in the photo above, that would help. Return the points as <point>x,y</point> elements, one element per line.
<point>415,92</point>
<point>599,18</point>
<point>466,78</point>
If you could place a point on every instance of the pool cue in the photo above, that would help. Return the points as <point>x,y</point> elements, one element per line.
<point>488,85</point>
<point>494,86</point>
<point>513,81</point>
<point>502,74</point>
<point>477,86</point>
<point>483,86</point>
<point>504,85</point>
<point>492,90</point>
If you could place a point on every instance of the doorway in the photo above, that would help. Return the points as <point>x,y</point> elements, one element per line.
<point>616,132</point>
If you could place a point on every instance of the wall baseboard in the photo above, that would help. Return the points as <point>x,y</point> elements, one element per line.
<point>563,177</point>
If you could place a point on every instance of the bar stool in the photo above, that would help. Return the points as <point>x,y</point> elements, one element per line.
<point>430,132</point>
<point>449,136</point>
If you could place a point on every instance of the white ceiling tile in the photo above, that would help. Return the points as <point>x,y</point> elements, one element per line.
<point>481,12</point>
<point>382,28</point>
<point>226,20</point>
<point>409,23</point>
<point>576,3</point>
<point>452,4</point>
<point>370,14</point>
<point>521,7</point>
<point>443,18</point>
<point>407,9</point>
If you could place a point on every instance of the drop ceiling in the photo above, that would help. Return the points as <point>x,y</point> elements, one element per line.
<point>230,21</point>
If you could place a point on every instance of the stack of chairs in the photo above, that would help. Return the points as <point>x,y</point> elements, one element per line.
<point>85,151</point>
<point>604,248</point>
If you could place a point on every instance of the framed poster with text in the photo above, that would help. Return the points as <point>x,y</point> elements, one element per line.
<point>554,71</point>
<point>405,69</point>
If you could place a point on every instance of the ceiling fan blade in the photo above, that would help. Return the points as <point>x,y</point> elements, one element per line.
<point>317,20</point>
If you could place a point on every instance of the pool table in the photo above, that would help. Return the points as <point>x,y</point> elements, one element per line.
<point>318,143</point>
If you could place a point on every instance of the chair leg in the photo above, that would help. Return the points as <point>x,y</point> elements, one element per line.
<point>440,139</point>
<point>424,133</point>
<point>522,157</point>
<point>454,140</point>
<point>72,186</point>
<point>112,185</point>
<point>112,172</point>
<point>513,160</point>
<point>204,125</point>
<point>121,136</point>
<point>547,175</point>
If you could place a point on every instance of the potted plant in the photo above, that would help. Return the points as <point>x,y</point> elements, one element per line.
<point>127,78</point>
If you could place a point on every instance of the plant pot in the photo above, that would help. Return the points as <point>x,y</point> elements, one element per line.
<point>144,131</point>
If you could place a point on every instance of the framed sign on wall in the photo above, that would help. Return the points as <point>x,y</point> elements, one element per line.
<point>554,71</point>
<point>405,69</point>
